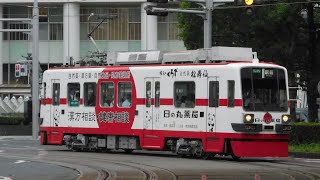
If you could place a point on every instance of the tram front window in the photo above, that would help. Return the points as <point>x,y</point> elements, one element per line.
<point>264,89</point>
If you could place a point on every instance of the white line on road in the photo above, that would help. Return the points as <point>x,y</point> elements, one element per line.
<point>5,178</point>
<point>308,160</point>
<point>312,160</point>
<point>30,148</point>
<point>20,161</point>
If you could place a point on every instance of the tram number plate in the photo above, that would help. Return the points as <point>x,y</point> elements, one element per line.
<point>250,127</point>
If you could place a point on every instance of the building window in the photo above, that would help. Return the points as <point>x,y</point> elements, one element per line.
<point>107,94</point>
<point>56,94</point>
<point>74,94</point>
<point>16,12</point>
<point>168,27</point>
<point>56,31</point>
<point>125,27</point>
<point>134,21</point>
<point>18,35</point>
<point>184,94</point>
<point>50,23</point>
<point>43,14</point>
<point>124,94</point>
<point>55,23</point>
<point>89,94</point>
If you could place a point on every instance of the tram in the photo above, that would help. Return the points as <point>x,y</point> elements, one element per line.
<point>197,103</point>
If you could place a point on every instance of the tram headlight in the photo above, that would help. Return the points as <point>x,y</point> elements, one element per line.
<point>286,119</point>
<point>248,118</point>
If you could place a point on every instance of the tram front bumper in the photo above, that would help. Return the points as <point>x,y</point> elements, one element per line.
<point>260,148</point>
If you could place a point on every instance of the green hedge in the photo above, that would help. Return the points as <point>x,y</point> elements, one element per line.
<point>305,133</point>
<point>12,120</point>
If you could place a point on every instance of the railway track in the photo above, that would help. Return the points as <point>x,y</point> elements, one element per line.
<point>147,166</point>
<point>265,169</point>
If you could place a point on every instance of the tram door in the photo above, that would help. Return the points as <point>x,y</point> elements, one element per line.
<point>152,103</point>
<point>213,98</point>
<point>55,107</point>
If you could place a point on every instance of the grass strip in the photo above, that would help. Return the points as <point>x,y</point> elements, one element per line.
<point>315,148</point>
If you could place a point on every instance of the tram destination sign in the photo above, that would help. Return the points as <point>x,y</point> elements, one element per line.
<point>263,73</point>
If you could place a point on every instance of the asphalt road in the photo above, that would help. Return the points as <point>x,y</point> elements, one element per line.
<point>24,158</point>
<point>19,160</point>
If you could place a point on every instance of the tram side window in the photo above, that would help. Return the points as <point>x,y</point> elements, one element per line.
<point>184,94</point>
<point>148,94</point>
<point>214,94</point>
<point>230,93</point>
<point>124,94</point>
<point>157,94</point>
<point>74,94</point>
<point>89,96</point>
<point>56,94</point>
<point>107,94</point>
<point>44,93</point>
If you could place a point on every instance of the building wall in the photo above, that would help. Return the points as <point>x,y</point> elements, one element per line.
<point>50,51</point>
<point>120,34</point>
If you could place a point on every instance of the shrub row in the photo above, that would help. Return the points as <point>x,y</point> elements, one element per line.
<point>305,133</point>
<point>13,120</point>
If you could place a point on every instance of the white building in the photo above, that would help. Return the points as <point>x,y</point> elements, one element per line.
<point>64,28</point>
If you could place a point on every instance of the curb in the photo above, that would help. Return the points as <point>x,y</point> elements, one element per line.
<point>305,155</point>
<point>16,138</point>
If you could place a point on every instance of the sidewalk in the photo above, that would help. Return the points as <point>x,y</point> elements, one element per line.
<point>305,155</point>
<point>17,138</point>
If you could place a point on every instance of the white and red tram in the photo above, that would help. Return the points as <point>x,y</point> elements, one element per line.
<point>237,106</point>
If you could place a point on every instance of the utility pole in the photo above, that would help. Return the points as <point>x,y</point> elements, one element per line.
<point>35,71</point>
<point>207,30</point>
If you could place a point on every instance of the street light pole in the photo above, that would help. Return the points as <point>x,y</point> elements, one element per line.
<point>35,71</point>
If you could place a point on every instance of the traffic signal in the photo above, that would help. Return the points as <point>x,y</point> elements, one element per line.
<point>249,9</point>
<point>17,70</point>
<point>149,11</point>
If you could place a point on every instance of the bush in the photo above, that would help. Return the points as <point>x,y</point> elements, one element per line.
<point>12,120</point>
<point>305,133</point>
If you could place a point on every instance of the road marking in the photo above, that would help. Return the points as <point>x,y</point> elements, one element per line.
<point>24,148</point>
<point>41,153</point>
<point>308,160</point>
<point>312,160</point>
<point>20,161</point>
<point>5,178</point>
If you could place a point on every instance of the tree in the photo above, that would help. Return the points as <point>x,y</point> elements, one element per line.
<point>278,33</point>
<point>191,27</point>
